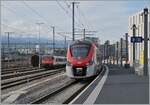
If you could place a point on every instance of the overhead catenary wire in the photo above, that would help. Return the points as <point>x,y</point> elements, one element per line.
<point>65,1</point>
<point>21,31</point>
<point>46,21</point>
<point>33,10</point>
<point>37,13</point>
<point>68,12</point>
<point>79,19</point>
<point>14,12</point>
<point>10,10</point>
<point>81,14</point>
<point>63,34</point>
<point>74,15</point>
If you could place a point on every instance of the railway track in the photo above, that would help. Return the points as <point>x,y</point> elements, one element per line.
<point>53,94</point>
<point>18,69</point>
<point>15,64</point>
<point>54,97</point>
<point>48,90</point>
<point>45,92</point>
<point>45,97</point>
<point>24,69</point>
<point>22,73</point>
<point>7,83</point>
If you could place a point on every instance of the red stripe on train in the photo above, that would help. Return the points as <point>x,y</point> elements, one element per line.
<point>47,62</point>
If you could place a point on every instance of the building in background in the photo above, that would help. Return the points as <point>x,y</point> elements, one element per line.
<point>109,51</point>
<point>123,49</point>
<point>138,20</point>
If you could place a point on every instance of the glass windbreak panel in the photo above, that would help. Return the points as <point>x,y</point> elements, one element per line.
<point>80,51</point>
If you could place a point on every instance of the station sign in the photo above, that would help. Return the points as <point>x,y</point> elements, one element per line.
<point>136,39</point>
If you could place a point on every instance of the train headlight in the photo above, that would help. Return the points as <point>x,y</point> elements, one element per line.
<point>68,63</point>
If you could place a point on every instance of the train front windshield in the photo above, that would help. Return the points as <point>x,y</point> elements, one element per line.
<point>80,51</point>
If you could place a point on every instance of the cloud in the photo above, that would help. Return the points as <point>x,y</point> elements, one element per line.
<point>109,18</point>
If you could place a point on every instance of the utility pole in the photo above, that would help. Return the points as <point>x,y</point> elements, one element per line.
<point>8,42</point>
<point>134,29</point>
<point>110,54</point>
<point>114,54</point>
<point>53,39</point>
<point>29,50</point>
<point>107,53</point>
<point>121,51</point>
<point>126,35</point>
<point>146,41</point>
<point>65,44</point>
<point>117,52</point>
<point>104,54</point>
<point>73,20</point>
<point>84,34</point>
<point>73,37</point>
<point>39,24</point>
<point>8,48</point>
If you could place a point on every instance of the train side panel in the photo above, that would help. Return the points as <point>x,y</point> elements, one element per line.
<point>53,61</point>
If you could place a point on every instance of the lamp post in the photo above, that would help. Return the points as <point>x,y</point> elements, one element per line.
<point>134,34</point>
<point>8,33</point>
<point>145,41</point>
<point>53,27</point>
<point>39,24</point>
<point>121,46</point>
<point>126,37</point>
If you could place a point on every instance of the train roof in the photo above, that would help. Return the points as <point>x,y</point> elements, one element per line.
<point>81,42</point>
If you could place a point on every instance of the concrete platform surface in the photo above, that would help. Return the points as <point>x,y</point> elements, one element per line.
<point>117,86</point>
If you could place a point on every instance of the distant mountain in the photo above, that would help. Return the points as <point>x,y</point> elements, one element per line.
<point>58,43</point>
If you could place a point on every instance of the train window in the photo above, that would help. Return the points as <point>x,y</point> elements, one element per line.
<point>52,58</point>
<point>57,59</point>
<point>47,58</point>
<point>60,59</point>
<point>80,51</point>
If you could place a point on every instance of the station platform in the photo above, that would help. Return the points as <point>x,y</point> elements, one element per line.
<point>116,85</point>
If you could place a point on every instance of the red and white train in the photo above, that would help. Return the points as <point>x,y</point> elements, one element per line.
<point>52,61</point>
<point>83,59</point>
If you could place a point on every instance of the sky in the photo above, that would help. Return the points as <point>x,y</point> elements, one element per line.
<point>108,18</point>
